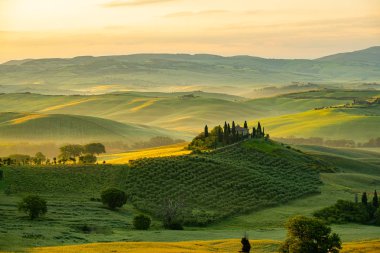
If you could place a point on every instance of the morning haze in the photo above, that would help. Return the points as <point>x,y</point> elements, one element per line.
<point>189,126</point>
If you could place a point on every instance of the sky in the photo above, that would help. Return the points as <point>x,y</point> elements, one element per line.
<point>265,28</point>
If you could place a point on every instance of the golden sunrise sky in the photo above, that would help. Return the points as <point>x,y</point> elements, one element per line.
<point>267,28</point>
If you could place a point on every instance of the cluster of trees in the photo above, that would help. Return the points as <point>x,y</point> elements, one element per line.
<point>226,135</point>
<point>84,154</point>
<point>78,153</point>
<point>366,212</point>
<point>20,159</point>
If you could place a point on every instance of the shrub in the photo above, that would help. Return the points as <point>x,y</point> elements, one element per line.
<point>113,198</point>
<point>1,174</point>
<point>175,225</point>
<point>87,158</point>
<point>34,205</point>
<point>141,222</point>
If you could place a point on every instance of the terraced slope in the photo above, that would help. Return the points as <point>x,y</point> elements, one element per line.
<point>233,180</point>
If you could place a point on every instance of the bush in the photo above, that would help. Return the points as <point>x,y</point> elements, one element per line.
<point>34,205</point>
<point>88,158</point>
<point>141,222</point>
<point>1,175</point>
<point>175,225</point>
<point>113,198</point>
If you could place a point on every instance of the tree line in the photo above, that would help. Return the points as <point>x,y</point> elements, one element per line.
<point>83,154</point>
<point>366,211</point>
<point>226,135</point>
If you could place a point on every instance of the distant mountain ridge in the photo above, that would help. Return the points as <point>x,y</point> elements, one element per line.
<point>176,72</point>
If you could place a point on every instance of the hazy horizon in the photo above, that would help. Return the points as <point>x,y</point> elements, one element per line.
<point>270,29</point>
<point>180,53</point>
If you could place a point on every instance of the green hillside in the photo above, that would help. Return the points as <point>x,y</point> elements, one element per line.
<point>132,116</point>
<point>265,182</point>
<point>182,111</point>
<point>61,128</point>
<point>168,72</point>
<point>356,123</point>
<point>247,176</point>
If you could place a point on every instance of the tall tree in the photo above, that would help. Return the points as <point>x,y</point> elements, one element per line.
<point>229,133</point>
<point>263,133</point>
<point>253,132</point>
<point>310,235</point>
<point>206,131</point>
<point>94,148</point>
<point>233,130</point>
<point>375,200</point>
<point>220,134</point>
<point>364,198</point>
<point>225,133</point>
<point>39,158</point>
<point>259,131</point>
<point>245,125</point>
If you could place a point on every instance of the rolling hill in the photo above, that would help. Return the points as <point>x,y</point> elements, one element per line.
<point>60,129</point>
<point>185,110</point>
<point>121,119</point>
<point>175,72</point>
<point>356,123</point>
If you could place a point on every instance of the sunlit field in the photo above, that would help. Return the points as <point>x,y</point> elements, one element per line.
<point>222,246</point>
<point>171,150</point>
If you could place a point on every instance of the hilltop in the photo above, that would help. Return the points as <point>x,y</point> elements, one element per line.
<point>176,72</point>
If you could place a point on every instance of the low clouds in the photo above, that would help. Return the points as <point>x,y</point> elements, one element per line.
<point>119,3</point>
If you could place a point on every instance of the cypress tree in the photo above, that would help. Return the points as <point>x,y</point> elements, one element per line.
<point>225,133</point>
<point>253,132</point>
<point>220,134</point>
<point>364,198</point>
<point>229,133</point>
<point>375,200</point>
<point>259,131</point>
<point>206,131</point>
<point>245,125</point>
<point>263,134</point>
<point>233,130</point>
